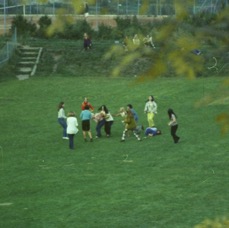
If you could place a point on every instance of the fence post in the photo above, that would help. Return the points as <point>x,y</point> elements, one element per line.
<point>194,7</point>
<point>7,50</point>
<point>15,34</point>
<point>4,4</point>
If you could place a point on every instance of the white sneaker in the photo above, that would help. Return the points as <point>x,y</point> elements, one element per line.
<point>65,138</point>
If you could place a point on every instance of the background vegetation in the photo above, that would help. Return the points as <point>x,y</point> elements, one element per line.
<point>175,39</point>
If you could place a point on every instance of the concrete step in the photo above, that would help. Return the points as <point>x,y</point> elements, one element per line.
<point>25,69</point>
<point>27,48</point>
<point>30,53</point>
<point>27,63</point>
<point>23,76</point>
<point>28,58</point>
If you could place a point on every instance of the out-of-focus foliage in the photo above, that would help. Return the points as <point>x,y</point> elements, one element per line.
<point>44,23</point>
<point>79,5</point>
<point>216,223</point>
<point>223,120</point>
<point>104,31</point>
<point>60,22</point>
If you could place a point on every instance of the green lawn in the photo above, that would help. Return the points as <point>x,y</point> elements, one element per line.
<point>152,183</point>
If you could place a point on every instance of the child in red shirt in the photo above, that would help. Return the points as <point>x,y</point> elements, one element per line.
<point>86,103</point>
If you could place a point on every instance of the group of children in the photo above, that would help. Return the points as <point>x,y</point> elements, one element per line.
<point>70,124</point>
<point>147,41</point>
<point>104,118</point>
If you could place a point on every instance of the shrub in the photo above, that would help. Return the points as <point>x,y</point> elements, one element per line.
<point>75,31</point>
<point>117,34</point>
<point>104,32</point>
<point>200,19</point>
<point>24,28</point>
<point>127,27</point>
<point>44,22</point>
<point>123,23</point>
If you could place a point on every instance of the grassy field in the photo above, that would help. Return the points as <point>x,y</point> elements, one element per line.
<point>152,183</point>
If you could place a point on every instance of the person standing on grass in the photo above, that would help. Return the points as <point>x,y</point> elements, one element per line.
<point>62,119</point>
<point>173,125</point>
<point>87,44</point>
<point>86,116</point>
<point>130,107</point>
<point>121,112</point>
<point>72,129</point>
<point>125,43</point>
<point>109,120</point>
<point>130,125</point>
<point>136,40</point>
<point>87,103</point>
<point>100,120</point>
<point>139,128</point>
<point>150,109</point>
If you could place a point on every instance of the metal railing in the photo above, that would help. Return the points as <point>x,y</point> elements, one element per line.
<point>7,51</point>
<point>111,7</point>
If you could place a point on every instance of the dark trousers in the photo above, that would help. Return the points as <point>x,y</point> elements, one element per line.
<point>99,126</point>
<point>71,141</point>
<point>173,133</point>
<point>107,127</point>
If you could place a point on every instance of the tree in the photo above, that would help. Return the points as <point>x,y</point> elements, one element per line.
<point>24,27</point>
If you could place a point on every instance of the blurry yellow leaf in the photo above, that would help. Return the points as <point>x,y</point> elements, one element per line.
<point>223,120</point>
<point>144,7</point>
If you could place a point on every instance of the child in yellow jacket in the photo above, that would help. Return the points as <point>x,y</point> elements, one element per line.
<point>130,125</point>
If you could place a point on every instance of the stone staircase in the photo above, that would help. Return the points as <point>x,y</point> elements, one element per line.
<point>29,59</point>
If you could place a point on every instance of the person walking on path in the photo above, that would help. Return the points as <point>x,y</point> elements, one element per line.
<point>173,125</point>
<point>62,119</point>
<point>130,125</point>
<point>86,116</point>
<point>86,9</point>
<point>150,109</point>
<point>72,129</point>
